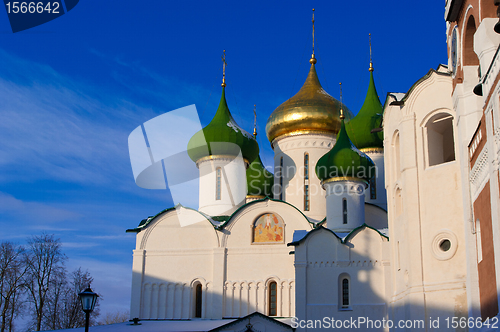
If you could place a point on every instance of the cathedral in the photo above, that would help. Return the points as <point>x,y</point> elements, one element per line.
<point>389,215</point>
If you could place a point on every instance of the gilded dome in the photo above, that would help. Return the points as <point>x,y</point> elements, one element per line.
<point>311,109</point>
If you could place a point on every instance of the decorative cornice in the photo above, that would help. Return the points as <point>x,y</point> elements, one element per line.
<point>344,178</point>
<point>219,157</point>
<point>302,132</point>
<point>255,197</point>
<point>372,150</point>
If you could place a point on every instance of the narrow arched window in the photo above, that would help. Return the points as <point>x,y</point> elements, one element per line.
<point>373,188</point>
<point>397,157</point>
<point>306,166</point>
<point>345,293</point>
<point>198,298</point>
<point>218,184</point>
<point>344,210</point>
<point>281,178</point>
<point>306,182</point>
<point>273,298</point>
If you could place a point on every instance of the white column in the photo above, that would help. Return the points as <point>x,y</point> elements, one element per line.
<point>137,279</point>
<point>218,277</point>
<point>170,300</point>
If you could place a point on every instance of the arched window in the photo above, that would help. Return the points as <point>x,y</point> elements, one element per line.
<point>345,293</point>
<point>306,182</point>
<point>344,210</point>
<point>273,298</point>
<point>373,188</point>
<point>344,283</point>
<point>281,178</point>
<point>218,184</point>
<point>197,300</point>
<point>397,157</point>
<point>440,140</point>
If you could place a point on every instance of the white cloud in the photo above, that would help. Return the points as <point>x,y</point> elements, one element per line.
<point>9,205</point>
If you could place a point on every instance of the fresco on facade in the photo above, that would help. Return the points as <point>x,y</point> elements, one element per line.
<point>268,228</point>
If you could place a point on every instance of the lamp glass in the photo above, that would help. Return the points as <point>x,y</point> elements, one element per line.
<point>88,299</point>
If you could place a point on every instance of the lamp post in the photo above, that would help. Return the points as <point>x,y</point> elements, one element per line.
<point>88,299</point>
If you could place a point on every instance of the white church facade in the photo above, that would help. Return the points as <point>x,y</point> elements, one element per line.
<point>390,214</point>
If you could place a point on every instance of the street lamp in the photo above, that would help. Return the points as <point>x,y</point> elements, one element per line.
<point>88,299</point>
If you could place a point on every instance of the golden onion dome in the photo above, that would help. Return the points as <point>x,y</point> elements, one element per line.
<point>312,109</point>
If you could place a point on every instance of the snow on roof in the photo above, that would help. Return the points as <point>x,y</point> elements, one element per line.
<point>398,95</point>
<point>299,235</point>
<point>198,325</point>
<point>195,325</point>
<point>384,231</point>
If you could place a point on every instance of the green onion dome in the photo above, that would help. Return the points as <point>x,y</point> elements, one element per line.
<point>344,160</point>
<point>369,117</point>
<point>222,129</point>
<point>259,180</point>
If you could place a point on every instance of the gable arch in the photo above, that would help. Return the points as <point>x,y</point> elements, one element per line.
<point>166,231</point>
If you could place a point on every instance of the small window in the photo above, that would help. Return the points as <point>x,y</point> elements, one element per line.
<point>273,298</point>
<point>306,182</point>
<point>345,293</point>
<point>198,298</point>
<point>281,179</point>
<point>306,197</point>
<point>218,184</point>
<point>306,166</point>
<point>397,157</point>
<point>373,188</point>
<point>440,141</point>
<point>344,210</point>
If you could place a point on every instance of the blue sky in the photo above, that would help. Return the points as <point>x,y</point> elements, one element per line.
<point>73,89</point>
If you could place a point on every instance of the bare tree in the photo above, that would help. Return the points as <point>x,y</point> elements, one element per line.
<point>54,305</point>
<point>70,314</point>
<point>115,317</point>
<point>12,271</point>
<point>45,265</point>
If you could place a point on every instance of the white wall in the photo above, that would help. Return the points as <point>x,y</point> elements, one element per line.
<point>427,281</point>
<point>323,259</point>
<point>234,272</point>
